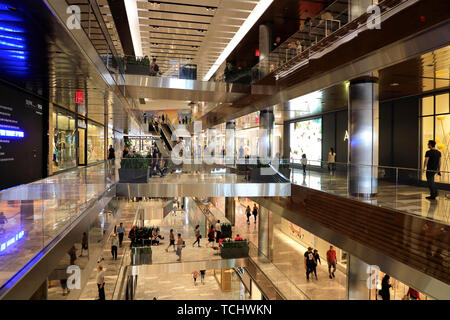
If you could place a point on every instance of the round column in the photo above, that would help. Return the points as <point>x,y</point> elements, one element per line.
<point>363,142</point>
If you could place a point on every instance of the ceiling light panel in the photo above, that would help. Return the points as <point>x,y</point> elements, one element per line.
<point>192,31</point>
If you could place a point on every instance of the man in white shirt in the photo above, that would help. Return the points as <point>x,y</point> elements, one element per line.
<point>101,283</point>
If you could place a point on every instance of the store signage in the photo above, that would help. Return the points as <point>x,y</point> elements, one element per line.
<point>346,136</point>
<point>11,133</point>
<point>79,97</point>
<point>11,241</point>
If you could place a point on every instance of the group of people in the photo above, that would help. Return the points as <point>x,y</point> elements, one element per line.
<point>249,212</point>
<point>195,275</point>
<point>331,162</point>
<point>312,259</point>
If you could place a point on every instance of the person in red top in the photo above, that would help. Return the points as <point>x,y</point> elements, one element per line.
<point>331,259</point>
<point>413,294</point>
<point>238,238</point>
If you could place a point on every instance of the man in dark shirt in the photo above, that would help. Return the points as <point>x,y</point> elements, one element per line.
<point>433,165</point>
<point>111,153</point>
<point>310,262</point>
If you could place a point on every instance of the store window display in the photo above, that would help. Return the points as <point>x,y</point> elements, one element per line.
<point>435,120</point>
<point>95,143</point>
<point>64,140</point>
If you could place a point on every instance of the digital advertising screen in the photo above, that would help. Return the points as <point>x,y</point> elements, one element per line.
<point>306,138</point>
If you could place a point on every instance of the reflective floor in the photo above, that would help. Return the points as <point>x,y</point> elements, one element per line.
<point>404,198</point>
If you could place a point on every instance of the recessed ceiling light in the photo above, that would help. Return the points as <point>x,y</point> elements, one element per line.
<point>394,84</point>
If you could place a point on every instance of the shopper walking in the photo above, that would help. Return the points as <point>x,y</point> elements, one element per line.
<point>309,262</point>
<point>84,243</point>
<point>248,213</point>
<point>111,153</point>
<point>211,236</point>
<point>432,164</point>
<point>195,274</point>
<point>255,212</point>
<point>304,163</point>
<point>120,232</point>
<point>331,260</point>
<point>172,241</point>
<point>101,283</point>
<point>316,261</point>
<point>132,236</point>
<point>198,236</point>
<point>202,276</point>
<point>114,245</point>
<point>72,254</point>
<point>179,246</point>
<point>218,229</point>
<point>385,288</point>
<point>331,161</point>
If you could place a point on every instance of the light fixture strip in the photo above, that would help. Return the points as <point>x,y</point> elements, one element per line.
<point>133,22</point>
<point>256,13</point>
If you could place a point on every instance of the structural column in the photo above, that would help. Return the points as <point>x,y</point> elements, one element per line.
<point>265,233</point>
<point>230,141</point>
<point>230,210</point>
<point>358,278</point>
<point>265,43</point>
<point>363,142</point>
<point>266,130</point>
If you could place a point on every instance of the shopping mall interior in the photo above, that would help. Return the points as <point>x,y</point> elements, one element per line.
<point>224,150</point>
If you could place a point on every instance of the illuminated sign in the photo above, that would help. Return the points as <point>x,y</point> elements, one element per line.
<point>12,133</point>
<point>79,97</point>
<point>12,240</point>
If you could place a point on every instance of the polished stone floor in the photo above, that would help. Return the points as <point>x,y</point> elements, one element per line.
<point>404,198</point>
<point>181,286</point>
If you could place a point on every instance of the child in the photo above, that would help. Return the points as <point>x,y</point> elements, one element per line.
<point>304,163</point>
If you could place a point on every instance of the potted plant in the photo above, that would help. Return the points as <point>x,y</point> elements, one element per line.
<point>134,169</point>
<point>234,249</point>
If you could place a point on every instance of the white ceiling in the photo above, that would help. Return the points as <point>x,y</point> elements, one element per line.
<point>190,31</point>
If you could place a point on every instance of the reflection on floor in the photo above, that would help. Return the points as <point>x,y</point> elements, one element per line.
<point>179,286</point>
<point>405,198</point>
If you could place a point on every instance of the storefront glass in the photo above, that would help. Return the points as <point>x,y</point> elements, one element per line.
<point>306,138</point>
<point>95,143</point>
<point>436,126</point>
<point>64,141</point>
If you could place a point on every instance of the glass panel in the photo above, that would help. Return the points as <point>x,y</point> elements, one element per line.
<point>442,103</point>
<point>443,141</point>
<point>427,133</point>
<point>427,106</point>
<point>64,142</point>
<point>95,143</point>
<point>81,146</point>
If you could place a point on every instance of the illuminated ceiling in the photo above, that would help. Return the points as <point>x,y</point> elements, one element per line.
<point>201,32</point>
